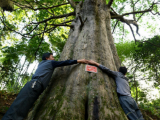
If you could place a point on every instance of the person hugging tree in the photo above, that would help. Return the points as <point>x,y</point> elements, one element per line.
<point>128,104</point>
<point>39,82</point>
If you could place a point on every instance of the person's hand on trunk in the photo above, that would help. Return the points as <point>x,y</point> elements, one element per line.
<point>93,63</point>
<point>82,61</point>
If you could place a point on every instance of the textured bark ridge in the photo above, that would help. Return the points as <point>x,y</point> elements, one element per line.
<point>73,93</point>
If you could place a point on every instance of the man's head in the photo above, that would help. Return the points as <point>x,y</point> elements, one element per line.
<point>47,56</point>
<point>123,70</point>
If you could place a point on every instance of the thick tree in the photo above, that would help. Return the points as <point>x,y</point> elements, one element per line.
<point>74,93</point>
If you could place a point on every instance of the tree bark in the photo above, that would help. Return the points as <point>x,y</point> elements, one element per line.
<point>74,94</point>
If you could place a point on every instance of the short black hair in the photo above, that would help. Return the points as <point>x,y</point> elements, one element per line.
<point>46,55</point>
<point>123,70</point>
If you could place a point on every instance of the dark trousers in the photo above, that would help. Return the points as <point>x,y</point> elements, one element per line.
<point>130,108</point>
<point>24,101</point>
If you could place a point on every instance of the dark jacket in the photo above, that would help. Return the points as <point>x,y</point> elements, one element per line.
<point>46,67</point>
<point>121,81</point>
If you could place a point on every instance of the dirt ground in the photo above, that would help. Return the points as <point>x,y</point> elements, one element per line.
<point>6,100</point>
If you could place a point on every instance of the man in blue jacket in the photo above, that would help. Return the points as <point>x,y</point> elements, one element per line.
<point>31,91</point>
<point>128,104</point>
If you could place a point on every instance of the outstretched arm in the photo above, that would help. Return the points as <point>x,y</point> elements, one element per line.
<point>103,68</point>
<point>67,62</point>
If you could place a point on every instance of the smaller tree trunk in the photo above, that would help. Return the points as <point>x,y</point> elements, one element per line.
<point>6,5</point>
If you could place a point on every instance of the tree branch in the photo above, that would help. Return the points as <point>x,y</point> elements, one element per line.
<point>123,32</point>
<point>155,13</point>
<point>73,4</point>
<point>115,26</point>
<point>147,42</point>
<point>116,16</point>
<point>132,32</point>
<point>82,23</point>
<point>62,24</point>
<point>42,6</point>
<point>50,7</point>
<point>136,2</point>
<point>31,5</point>
<point>20,5</point>
<point>54,17</point>
<point>133,10</point>
<point>9,27</point>
<point>41,40</point>
<point>148,10</point>
<point>114,12</point>
<point>140,16</point>
<point>110,3</point>
<point>128,22</point>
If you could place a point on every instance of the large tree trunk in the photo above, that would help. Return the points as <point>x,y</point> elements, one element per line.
<point>73,93</point>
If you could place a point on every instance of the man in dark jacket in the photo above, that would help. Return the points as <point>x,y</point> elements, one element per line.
<point>128,104</point>
<point>31,91</point>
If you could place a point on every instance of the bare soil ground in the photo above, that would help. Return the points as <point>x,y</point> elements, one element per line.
<point>6,100</point>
